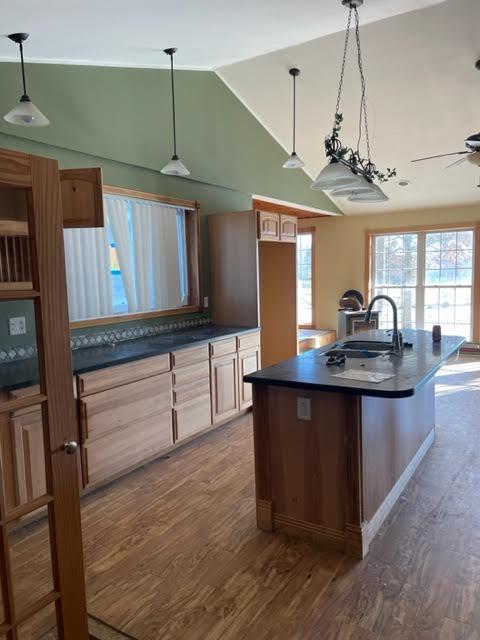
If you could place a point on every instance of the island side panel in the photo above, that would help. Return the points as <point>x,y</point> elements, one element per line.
<point>396,434</point>
<point>307,479</point>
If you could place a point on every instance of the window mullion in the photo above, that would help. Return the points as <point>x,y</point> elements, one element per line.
<point>420,288</point>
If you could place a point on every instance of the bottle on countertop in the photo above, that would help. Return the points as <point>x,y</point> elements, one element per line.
<point>436,333</point>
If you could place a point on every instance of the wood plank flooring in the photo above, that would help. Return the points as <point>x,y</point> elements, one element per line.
<point>172,550</point>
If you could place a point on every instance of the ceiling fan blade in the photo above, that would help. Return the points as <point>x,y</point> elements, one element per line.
<point>454,164</point>
<point>443,155</point>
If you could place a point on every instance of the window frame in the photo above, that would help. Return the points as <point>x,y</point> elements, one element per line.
<point>452,226</point>
<point>312,231</point>
<point>192,219</point>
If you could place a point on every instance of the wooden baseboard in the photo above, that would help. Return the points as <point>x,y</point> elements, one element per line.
<point>371,528</point>
<point>310,530</point>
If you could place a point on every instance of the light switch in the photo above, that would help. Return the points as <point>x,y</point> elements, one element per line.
<point>205,301</point>
<point>304,409</point>
<point>17,326</point>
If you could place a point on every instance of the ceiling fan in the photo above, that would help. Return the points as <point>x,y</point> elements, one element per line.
<point>472,154</point>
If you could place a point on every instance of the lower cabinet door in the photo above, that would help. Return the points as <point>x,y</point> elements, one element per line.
<point>248,362</point>
<point>29,456</point>
<point>126,448</point>
<point>223,375</point>
<point>192,417</point>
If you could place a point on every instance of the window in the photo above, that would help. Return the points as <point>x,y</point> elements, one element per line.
<point>305,278</point>
<point>429,274</point>
<point>137,263</point>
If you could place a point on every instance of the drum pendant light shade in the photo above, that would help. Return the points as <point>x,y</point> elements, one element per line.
<point>334,176</point>
<point>25,113</point>
<point>175,167</point>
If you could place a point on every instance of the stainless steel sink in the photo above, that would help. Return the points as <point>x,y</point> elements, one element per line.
<point>360,349</point>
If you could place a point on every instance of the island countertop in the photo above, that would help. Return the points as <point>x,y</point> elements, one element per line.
<point>411,371</point>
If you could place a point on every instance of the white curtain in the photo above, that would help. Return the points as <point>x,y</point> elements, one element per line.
<point>89,282</point>
<point>117,210</point>
<point>166,267</point>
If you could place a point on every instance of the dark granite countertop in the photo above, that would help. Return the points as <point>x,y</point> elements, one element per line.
<point>23,373</point>
<point>411,371</point>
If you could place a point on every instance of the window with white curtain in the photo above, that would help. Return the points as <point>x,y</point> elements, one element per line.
<point>137,263</point>
<point>429,274</point>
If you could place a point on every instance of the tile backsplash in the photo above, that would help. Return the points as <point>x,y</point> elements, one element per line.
<point>108,336</point>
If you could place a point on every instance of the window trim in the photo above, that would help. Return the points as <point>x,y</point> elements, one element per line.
<point>473,225</point>
<point>192,218</point>
<point>304,231</point>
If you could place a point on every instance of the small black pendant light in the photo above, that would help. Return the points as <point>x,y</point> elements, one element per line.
<point>294,162</point>
<point>25,113</point>
<point>175,167</point>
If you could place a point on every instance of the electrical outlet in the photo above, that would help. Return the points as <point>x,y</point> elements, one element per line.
<point>17,326</point>
<point>205,302</point>
<point>304,409</point>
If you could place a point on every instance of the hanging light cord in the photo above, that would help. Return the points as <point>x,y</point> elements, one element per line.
<point>20,44</point>
<point>344,60</point>
<point>173,107</point>
<point>294,112</point>
<point>363,121</point>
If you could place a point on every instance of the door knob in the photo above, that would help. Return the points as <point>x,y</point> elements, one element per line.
<point>70,448</point>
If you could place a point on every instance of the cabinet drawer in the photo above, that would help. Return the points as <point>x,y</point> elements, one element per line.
<point>223,347</point>
<point>188,392</point>
<point>193,373</point>
<point>192,417</point>
<point>248,341</point>
<point>121,374</point>
<point>126,448</point>
<point>115,408</point>
<point>188,356</point>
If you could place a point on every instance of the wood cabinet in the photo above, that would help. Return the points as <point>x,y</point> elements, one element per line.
<point>248,362</point>
<point>225,401</point>
<point>288,228</point>
<point>268,226</point>
<point>27,427</point>
<point>82,197</point>
<point>253,282</point>
<point>191,392</point>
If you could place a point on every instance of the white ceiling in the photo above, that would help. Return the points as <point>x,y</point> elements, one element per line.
<point>207,34</point>
<point>424,96</point>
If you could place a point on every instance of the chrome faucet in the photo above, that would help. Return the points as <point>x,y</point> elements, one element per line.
<point>397,338</point>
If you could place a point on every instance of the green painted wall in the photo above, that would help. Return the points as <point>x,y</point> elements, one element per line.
<point>120,119</point>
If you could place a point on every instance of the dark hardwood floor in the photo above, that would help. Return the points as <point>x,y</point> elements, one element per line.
<point>172,551</point>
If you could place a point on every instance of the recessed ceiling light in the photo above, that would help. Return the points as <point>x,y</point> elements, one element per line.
<point>403,183</point>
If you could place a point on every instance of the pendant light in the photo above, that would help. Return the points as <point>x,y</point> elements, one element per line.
<point>25,113</point>
<point>175,167</point>
<point>294,162</point>
<point>350,174</point>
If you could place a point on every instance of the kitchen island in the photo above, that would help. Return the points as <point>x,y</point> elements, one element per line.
<point>333,453</point>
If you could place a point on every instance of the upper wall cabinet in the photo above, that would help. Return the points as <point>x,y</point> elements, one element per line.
<point>82,198</point>
<point>268,226</point>
<point>288,228</point>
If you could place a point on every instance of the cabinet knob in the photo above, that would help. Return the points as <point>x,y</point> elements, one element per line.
<point>70,448</point>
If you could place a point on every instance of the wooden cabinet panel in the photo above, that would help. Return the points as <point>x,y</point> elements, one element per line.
<point>82,197</point>
<point>288,228</point>
<point>268,226</point>
<point>29,456</point>
<point>188,356</point>
<point>222,347</point>
<point>125,448</point>
<point>223,374</point>
<point>248,340</point>
<point>121,374</point>
<point>112,409</point>
<point>192,417</point>
<point>192,373</point>
<point>248,362</point>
